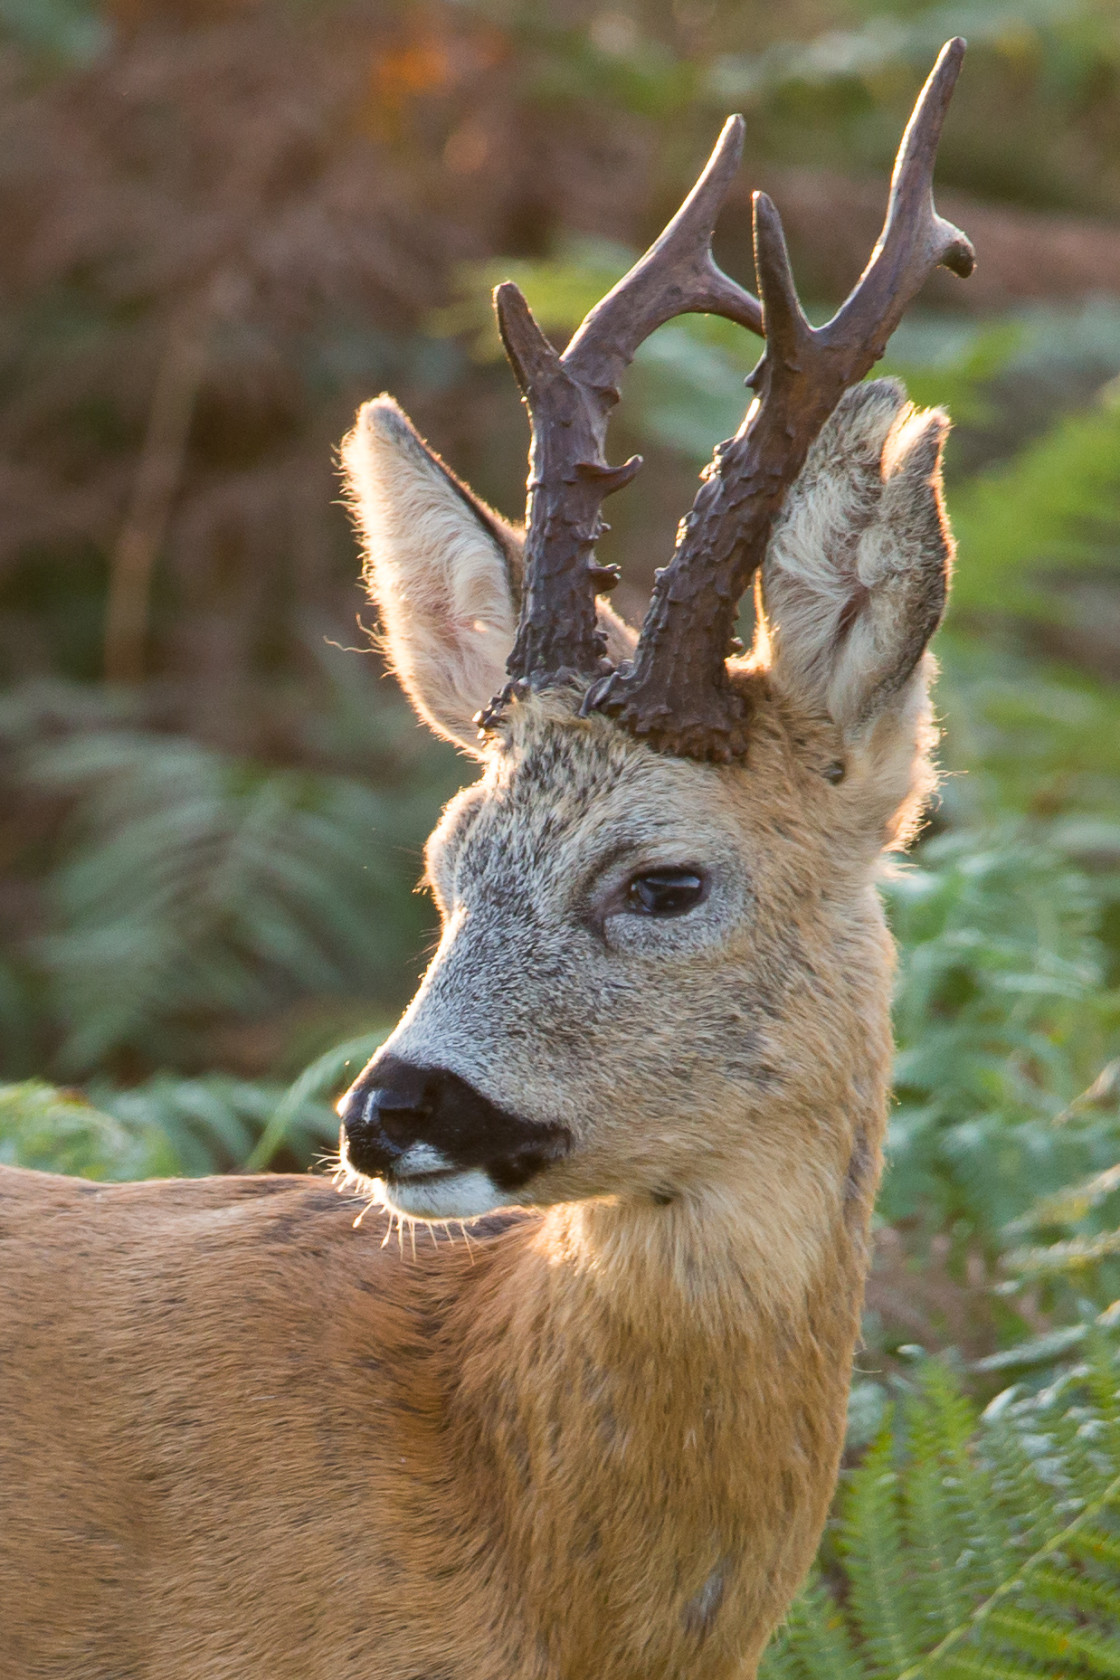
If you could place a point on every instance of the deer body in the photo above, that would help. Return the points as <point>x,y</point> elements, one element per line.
<point>258,1444</point>
<point>242,1436</point>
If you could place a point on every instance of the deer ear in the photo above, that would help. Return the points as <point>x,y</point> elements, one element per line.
<point>444,570</point>
<point>855,582</point>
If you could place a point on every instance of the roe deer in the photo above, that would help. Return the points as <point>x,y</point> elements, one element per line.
<point>243,1439</point>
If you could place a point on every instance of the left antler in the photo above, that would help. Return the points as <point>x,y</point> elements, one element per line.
<point>678,693</point>
<point>570,397</point>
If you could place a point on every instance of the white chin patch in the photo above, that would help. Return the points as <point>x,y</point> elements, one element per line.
<point>462,1195</point>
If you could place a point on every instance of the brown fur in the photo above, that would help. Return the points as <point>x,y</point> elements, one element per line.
<point>244,1438</point>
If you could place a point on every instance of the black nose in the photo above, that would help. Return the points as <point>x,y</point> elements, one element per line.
<point>397,1104</point>
<point>385,1112</point>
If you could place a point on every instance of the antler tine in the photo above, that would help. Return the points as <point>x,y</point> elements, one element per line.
<point>677,276</point>
<point>678,693</point>
<point>915,239</point>
<point>570,397</point>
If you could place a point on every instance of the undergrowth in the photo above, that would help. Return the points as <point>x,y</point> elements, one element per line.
<point>972,1547</point>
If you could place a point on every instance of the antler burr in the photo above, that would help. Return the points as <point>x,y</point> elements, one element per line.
<point>678,693</point>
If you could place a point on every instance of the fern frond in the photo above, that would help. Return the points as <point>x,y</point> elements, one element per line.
<point>1095,1546</point>
<point>213,1123</point>
<point>1004,1565</point>
<point>1001,1013</point>
<point>195,885</point>
<point>1067,1206</point>
<point>940,1425</point>
<point>986,1524</point>
<point>1063,1258</point>
<point>1050,1640</point>
<point>1101,1381</point>
<point>973,1665</point>
<point>323,1078</point>
<point>1070,1591</point>
<point>816,1640</point>
<point>1036,1351</point>
<point>871,1544</point>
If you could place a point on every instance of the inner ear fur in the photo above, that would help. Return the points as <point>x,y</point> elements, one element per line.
<point>857,570</point>
<point>443,569</point>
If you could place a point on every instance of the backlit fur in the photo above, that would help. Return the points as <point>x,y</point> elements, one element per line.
<point>598,1436</point>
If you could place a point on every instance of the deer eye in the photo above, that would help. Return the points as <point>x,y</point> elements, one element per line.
<point>665,892</point>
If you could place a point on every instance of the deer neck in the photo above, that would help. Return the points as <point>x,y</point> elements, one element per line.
<point>656,1399</point>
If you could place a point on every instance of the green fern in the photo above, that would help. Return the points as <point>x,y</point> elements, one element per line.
<point>212,1122</point>
<point>1072,1265</point>
<point>172,1126</point>
<point>59,1131</point>
<point>973,1548</point>
<point>194,886</point>
<point>1002,1017</point>
<point>1057,502</point>
<point>316,1085</point>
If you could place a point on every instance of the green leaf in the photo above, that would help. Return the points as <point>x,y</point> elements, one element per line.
<point>58,1131</point>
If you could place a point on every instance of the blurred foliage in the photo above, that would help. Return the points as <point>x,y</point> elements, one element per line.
<point>208,883</point>
<point>1002,1016</point>
<point>59,1131</point>
<point>183,895</point>
<point>173,1125</point>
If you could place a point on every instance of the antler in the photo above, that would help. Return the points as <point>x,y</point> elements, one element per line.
<point>678,693</point>
<point>570,397</point>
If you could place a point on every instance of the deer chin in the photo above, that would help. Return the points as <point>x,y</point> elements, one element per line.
<point>454,1193</point>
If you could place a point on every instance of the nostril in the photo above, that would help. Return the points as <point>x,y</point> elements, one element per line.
<point>369,1148</point>
<point>386,1112</point>
<point>399,1117</point>
<point>391,1110</point>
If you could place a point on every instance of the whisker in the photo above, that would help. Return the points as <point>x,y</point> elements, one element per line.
<point>371,1203</point>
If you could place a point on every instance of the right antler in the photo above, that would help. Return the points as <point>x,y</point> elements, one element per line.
<point>677,693</point>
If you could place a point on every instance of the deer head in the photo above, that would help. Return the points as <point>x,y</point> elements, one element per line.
<point>663,974</point>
